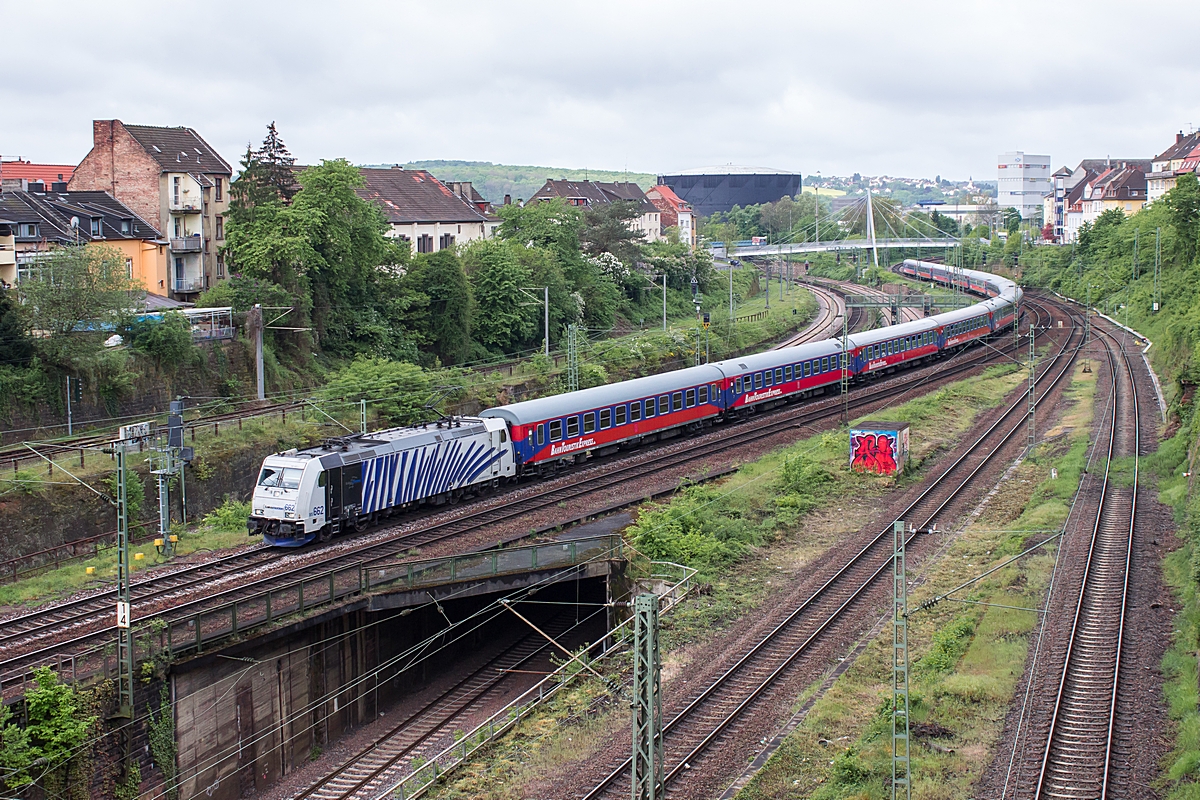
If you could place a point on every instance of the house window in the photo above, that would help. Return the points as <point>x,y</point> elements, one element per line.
<point>220,227</point>
<point>572,427</point>
<point>620,414</point>
<point>220,265</point>
<point>605,418</point>
<point>129,268</point>
<point>126,225</point>
<point>178,228</point>
<point>635,411</point>
<point>446,241</point>
<point>175,190</point>
<point>424,243</point>
<point>589,422</point>
<point>29,229</point>
<point>555,430</point>
<point>219,189</point>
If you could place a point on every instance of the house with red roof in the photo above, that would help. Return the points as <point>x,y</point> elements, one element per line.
<point>428,214</point>
<point>19,174</point>
<point>675,212</point>
<point>1168,165</point>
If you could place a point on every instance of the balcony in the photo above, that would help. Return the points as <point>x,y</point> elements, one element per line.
<point>189,284</point>
<point>188,244</point>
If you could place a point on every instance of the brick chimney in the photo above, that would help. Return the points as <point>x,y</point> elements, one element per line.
<point>102,131</point>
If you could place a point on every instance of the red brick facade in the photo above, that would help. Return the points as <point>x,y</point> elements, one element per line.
<point>119,165</point>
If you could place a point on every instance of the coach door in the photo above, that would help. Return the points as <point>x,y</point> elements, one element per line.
<point>333,494</point>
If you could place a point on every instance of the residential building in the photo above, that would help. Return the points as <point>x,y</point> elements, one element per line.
<point>41,221</point>
<point>1022,181</point>
<point>1054,209</point>
<point>176,182</point>
<point>1167,165</point>
<point>585,194</point>
<point>675,212</point>
<point>426,213</point>
<point>8,252</point>
<point>19,174</point>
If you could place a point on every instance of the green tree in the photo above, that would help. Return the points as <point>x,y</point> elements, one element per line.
<point>552,225</point>
<point>440,277</point>
<point>15,342</point>
<point>397,390</point>
<point>1012,219</point>
<point>608,228</point>
<point>77,298</point>
<point>501,318</point>
<point>266,177</point>
<point>1184,204</point>
<point>168,341</point>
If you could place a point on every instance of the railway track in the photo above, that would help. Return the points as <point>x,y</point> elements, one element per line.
<point>425,731</point>
<point>1077,761</point>
<point>44,635</point>
<point>711,713</point>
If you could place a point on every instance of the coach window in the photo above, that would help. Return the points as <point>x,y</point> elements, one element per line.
<point>766,377</point>
<point>689,398</point>
<point>541,435</point>
<point>737,386</point>
<point>555,430</point>
<point>589,422</point>
<point>321,479</point>
<point>620,414</point>
<point>664,405</point>
<point>572,427</point>
<point>635,411</point>
<point>787,372</point>
<point>758,380</point>
<point>703,395</point>
<point>778,375</point>
<point>605,418</point>
<point>650,408</point>
<point>825,364</point>
<point>677,401</point>
<point>807,368</point>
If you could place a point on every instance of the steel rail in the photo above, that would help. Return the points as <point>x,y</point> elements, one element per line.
<point>1095,545</point>
<point>1019,405</point>
<point>589,481</point>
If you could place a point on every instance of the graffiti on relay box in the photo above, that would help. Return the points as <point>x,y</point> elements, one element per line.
<point>874,452</point>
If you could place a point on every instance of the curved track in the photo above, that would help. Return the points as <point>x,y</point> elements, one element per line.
<point>1077,762</point>
<point>713,712</point>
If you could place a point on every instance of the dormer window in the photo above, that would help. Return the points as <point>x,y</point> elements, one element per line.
<point>126,225</point>
<point>97,226</point>
<point>29,230</point>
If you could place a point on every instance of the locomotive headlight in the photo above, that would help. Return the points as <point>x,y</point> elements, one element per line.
<point>258,512</point>
<point>289,515</point>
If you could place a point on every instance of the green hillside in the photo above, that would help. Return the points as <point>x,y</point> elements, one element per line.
<point>493,181</point>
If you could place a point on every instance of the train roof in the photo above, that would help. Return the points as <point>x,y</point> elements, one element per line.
<point>560,405</point>
<point>356,447</point>
<point>751,362</point>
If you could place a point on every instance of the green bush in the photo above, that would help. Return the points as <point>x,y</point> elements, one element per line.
<point>167,341</point>
<point>229,517</point>
<point>397,390</point>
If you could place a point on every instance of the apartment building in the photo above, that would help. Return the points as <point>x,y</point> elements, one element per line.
<point>175,181</point>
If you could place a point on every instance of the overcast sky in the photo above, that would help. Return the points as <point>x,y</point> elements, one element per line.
<point>873,86</point>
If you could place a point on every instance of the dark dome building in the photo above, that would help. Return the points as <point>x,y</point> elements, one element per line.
<point>713,189</point>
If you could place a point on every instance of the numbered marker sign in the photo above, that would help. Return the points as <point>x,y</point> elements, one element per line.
<point>122,615</point>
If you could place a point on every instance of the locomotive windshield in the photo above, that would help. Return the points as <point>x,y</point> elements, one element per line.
<point>284,478</point>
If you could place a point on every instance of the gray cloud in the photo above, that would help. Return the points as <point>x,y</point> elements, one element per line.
<point>861,85</point>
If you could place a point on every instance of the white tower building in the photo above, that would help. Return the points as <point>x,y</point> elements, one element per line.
<point>1023,180</point>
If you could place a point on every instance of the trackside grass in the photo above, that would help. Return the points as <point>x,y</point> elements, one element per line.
<point>966,657</point>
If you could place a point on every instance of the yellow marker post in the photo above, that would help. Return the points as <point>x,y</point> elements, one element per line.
<point>90,571</point>
<point>138,556</point>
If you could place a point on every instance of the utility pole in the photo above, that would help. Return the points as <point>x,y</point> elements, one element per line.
<point>1087,318</point>
<point>1157,268</point>
<point>846,366</point>
<point>362,416</point>
<point>901,763</point>
<point>817,208</point>
<point>871,227</point>
<point>545,303</point>
<point>731,296</point>
<point>1136,271</point>
<point>768,266</point>
<point>572,357</point>
<point>1032,386</point>
<point>647,762</point>
<point>70,430</point>
<point>124,615</point>
<point>256,329</point>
